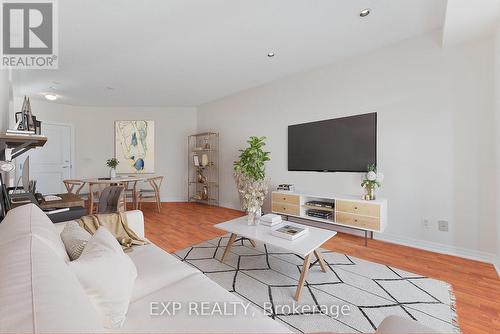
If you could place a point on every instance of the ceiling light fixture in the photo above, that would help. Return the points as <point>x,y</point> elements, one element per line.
<point>51,97</point>
<point>365,12</point>
<point>270,54</point>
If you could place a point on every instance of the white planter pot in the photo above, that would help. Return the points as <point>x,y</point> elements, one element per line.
<point>112,173</point>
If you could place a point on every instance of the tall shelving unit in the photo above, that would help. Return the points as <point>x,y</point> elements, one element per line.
<point>203,162</point>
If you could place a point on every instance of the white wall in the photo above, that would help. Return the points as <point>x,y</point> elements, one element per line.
<point>497,141</point>
<point>4,99</point>
<point>435,136</point>
<point>94,138</point>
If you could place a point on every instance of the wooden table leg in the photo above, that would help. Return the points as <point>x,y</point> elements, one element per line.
<point>303,276</point>
<point>228,246</point>
<point>134,195</point>
<point>252,242</point>
<point>321,261</point>
<point>91,199</point>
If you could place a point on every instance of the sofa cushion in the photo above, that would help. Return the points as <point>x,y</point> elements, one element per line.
<point>156,269</point>
<point>39,293</point>
<point>196,288</point>
<point>30,219</point>
<point>75,238</point>
<point>107,275</point>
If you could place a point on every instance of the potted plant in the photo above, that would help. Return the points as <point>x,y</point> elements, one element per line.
<point>250,177</point>
<point>112,163</point>
<point>371,181</point>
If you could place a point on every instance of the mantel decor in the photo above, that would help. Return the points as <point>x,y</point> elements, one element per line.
<point>250,177</point>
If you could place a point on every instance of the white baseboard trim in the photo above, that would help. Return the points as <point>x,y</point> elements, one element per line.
<point>425,245</point>
<point>174,199</point>
<point>438,248</point>
<point>497,267</point>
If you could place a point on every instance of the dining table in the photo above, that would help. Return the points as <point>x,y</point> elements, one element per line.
<point>124,181</point>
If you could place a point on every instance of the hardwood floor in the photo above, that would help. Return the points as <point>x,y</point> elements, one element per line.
<point>475,284</point>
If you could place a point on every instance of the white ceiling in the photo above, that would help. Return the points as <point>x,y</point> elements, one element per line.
<point>470,19</point>
<point>188,52</point>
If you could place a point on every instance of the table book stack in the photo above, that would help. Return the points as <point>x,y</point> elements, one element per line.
<point>270,219</point>
<point>290,232</point>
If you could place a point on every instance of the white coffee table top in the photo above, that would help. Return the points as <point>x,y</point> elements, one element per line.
<point>303,245</point>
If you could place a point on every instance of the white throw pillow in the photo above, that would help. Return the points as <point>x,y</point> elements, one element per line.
<point>75,238</point>
<point>107,275</point>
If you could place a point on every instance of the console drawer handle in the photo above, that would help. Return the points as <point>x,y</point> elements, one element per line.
<point>355,208</point>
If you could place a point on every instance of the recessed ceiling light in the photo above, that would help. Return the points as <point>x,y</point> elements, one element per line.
<point>270,54</point>
<point>365,12</point>
<point>51,97</point>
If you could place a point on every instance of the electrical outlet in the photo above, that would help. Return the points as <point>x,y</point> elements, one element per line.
<point>425,223</point>
<point>443,225</point>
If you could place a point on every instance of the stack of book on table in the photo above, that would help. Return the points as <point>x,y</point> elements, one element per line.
<point>290,232</point>
<point>270,219</point>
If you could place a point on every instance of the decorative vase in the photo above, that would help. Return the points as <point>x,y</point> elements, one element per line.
<point>204,160</point>
<point>204,193</point>
<point>112,173</point>
<point>252,194</point>
<point>253,216</point>
<point>200,178</point>
<point>370,193</point>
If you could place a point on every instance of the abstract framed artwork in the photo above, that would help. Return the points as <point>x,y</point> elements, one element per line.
<point>134,146</point>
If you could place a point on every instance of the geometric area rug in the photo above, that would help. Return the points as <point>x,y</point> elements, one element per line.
<point>267,276</point>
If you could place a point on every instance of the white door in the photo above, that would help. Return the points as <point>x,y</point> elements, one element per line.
<point>52,163</point>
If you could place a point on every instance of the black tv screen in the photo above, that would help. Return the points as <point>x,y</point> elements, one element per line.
<point>346,144</point>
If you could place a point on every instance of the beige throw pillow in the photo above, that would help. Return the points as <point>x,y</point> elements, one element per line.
<point>75,238</point>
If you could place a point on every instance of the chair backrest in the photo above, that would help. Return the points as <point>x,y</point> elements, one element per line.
<point>71,185</point>
<point>110,199</point>
<point>155,182</point>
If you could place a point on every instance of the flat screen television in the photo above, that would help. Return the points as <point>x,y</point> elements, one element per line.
<point>347,144</point>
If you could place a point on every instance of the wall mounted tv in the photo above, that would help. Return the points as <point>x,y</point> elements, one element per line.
<point>346,144</point>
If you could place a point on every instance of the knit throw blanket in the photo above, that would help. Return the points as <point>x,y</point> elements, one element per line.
<point>116,223</point>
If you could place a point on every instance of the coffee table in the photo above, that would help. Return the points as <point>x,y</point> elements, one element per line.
<point>305,246</point>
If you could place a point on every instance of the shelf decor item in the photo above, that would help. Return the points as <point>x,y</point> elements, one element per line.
<point>112,164</point>
<point>203,168</point>
<point>204,160</point>
<point>371,181</point>
<point>250,177</point>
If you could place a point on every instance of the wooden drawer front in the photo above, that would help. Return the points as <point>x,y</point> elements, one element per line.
<point>284,198</point>
<point>287,209</point>
<point>365,209</point>
<point>362,222</point>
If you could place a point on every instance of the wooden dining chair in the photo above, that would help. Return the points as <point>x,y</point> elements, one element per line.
<point>131,192</point>
<point>74,186</point>
<point>155,183</point>
<point>111,200</point>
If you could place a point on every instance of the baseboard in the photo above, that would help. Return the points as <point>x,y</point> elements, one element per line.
<point>497,267</point>
<point>425,245</point>
<point>439,248</point>
<point>173,199</point>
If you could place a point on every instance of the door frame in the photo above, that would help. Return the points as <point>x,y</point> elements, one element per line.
<point>71,146</point>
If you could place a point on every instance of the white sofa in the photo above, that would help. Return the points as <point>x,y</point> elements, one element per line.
<point>40,294</point>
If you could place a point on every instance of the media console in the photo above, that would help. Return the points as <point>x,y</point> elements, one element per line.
<point>345,211</point>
